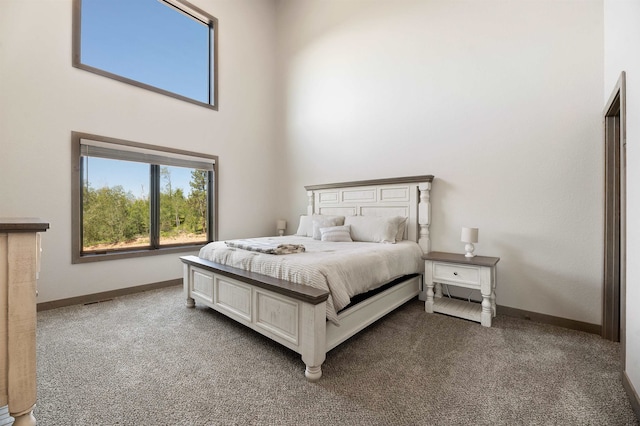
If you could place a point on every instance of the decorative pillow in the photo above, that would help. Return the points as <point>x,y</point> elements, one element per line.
<point>374,229</point>
<point>324,222</point>
<point>337,234</point>
<point>305,226</point>
<point>402,224</point>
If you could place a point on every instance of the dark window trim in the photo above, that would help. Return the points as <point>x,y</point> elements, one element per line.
<point>76,205</point>
<point>213,55</point>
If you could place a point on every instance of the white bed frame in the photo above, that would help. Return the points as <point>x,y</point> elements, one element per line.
<point>294,315</point>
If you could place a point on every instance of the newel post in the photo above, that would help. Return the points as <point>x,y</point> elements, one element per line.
<point>424,216</point>
<point>310,203</point>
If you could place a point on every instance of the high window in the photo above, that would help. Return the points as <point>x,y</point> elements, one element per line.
<point>132,199</point>
<point>168,46</point>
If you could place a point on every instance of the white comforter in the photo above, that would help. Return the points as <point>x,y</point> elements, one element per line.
<point>344,269</point>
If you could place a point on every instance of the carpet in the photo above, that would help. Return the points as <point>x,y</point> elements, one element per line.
<point>146,359</point>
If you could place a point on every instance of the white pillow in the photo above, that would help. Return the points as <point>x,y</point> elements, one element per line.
<point>402,224</point>
<point>324,222</point>
<point>337,234</point>
<point>305,226</point>
<point>373,229</point>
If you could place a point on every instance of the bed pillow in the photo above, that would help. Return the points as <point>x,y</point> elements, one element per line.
<point>374,229</point>
<point>325,222</point>
<point>402,224</point>
<point>305,226</point>
<point>338,234</point>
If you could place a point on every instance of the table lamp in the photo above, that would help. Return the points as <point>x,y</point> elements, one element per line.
<point>469,236</point>
<point>281,225</point>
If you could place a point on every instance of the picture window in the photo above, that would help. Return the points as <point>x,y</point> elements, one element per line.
<point>167,46</point>
<point>133,199</point>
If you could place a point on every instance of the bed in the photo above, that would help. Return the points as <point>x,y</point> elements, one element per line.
<point>277,296</point>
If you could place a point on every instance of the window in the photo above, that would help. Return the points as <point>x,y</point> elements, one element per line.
<point>132,199</point>
<point>168,46</point>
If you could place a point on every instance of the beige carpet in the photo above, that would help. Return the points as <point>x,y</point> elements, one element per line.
<point>145,359</point>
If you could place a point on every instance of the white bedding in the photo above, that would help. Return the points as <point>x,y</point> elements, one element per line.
<point>344,269</point>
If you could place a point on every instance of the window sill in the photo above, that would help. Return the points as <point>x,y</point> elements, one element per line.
<point>99,257</point>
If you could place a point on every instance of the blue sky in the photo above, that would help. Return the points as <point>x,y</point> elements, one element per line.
<point>147,41</point>
<point>133,177</point>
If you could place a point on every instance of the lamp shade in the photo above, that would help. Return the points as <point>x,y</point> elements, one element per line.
<point>281,225</point>
<point>469,235</point>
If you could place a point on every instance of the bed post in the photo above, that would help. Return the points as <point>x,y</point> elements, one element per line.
<point>310,203</point>
<point>424,216</point>
<point>186,277</point>
<point>314,346</point>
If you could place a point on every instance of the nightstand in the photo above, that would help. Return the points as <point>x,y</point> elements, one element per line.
<point>478,272</point>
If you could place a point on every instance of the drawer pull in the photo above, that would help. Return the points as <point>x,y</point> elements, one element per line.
<point>455,273</point>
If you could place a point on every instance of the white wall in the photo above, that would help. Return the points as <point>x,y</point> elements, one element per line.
<point>501,101</point>
<point>43,98</point>
<point>622,43</point>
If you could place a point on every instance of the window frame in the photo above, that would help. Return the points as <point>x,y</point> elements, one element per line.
<point>77,255</point>
<point>182,6</point>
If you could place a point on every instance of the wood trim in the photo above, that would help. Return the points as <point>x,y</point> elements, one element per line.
<point>634,399</point>
<point>134,253</point>
<point>20,224</point>
<point>612,215</point>
<point>76,28</point>
<point>614,297</point>
<point>301,292</point>
<point>372,182</point>
<point>76,203</point>
<point>78,136</point>
<point>106,295</point>
<point>439,256</point>
<point>550,319</point>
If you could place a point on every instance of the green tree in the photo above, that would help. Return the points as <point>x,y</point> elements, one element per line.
<point>172,206</point>
<point>141,216</point>
<point>197,201</point>
<point>106,216</point>
<point>115,216</point>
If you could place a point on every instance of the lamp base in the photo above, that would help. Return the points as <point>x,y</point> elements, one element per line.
<point>469,249</point>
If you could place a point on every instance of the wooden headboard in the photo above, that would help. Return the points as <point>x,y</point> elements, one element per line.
<point>405,196</point>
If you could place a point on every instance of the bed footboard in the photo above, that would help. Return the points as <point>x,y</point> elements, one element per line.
<point>291,314</point>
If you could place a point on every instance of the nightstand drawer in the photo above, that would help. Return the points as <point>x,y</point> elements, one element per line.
<point>456,273</point>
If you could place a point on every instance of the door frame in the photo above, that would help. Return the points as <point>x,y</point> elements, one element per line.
<point>614,271</point>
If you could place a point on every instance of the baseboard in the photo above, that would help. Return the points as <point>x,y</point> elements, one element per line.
<point>503,310</point>
<point>106,295</point>
<point>550,319</point>
<point>631,393</point>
